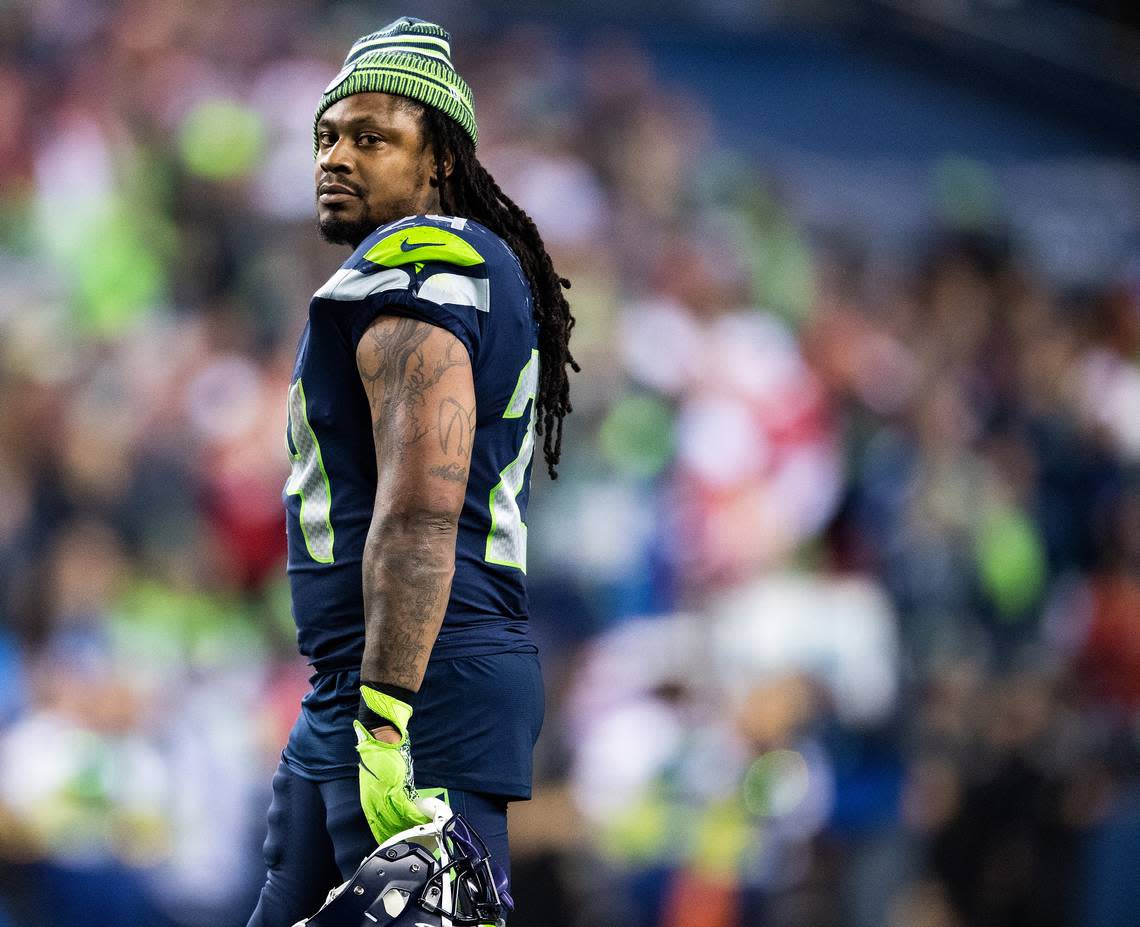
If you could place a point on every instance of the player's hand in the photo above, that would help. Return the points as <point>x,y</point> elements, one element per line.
<point>387,791</point>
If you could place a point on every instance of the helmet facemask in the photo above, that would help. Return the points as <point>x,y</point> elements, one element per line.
<point>464,888</point>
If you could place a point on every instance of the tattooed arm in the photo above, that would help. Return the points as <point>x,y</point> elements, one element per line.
<point>419,385</point>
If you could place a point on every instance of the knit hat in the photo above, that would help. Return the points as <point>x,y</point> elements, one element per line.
<point>410,58</point>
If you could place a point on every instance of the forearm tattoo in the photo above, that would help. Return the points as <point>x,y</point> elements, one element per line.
<point>406,585</point>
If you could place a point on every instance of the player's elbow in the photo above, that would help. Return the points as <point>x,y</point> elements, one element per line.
<point>414,519</point>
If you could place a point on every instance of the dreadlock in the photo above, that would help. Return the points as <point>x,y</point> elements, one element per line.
<point>469,191</point>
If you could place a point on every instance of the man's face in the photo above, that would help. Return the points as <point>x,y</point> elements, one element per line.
<point>372,166</point>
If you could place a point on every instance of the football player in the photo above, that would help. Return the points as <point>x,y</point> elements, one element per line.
<point>430,360</point>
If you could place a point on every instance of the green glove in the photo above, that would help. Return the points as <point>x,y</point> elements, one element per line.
<point>387,791</point>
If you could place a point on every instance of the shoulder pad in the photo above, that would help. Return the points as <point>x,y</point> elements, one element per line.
<point>422,243</point>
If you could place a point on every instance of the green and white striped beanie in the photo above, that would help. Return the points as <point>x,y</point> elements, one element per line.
<point>411,58</point>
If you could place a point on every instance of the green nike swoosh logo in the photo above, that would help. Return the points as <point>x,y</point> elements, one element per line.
<point>404,246</point>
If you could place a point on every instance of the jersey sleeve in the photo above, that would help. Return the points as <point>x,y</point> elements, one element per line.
<point>421,272</point>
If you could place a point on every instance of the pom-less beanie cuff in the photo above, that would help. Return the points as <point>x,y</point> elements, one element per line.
<point>410,58</point>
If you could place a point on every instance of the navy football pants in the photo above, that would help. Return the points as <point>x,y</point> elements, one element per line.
<point>318,837</point>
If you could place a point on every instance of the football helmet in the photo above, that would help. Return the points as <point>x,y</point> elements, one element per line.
<point>437,874</point>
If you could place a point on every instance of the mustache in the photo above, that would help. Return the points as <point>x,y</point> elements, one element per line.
<point>337,181</point>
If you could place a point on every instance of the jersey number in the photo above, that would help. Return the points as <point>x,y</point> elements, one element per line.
<point>506,541</point>
<point>309,479</point>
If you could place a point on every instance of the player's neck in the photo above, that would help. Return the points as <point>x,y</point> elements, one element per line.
<point>431,205</point>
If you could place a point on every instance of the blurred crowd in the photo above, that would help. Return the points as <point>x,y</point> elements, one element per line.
<point>837,594</point>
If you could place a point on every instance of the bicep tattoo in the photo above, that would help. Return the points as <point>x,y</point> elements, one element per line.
<point>398,372</point>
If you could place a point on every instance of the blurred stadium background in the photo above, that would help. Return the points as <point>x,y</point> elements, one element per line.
<point>839,593</point>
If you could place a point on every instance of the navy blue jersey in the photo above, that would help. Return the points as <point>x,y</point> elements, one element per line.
<point>458,275</point>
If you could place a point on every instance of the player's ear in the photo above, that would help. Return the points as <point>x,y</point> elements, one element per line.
<point>448,164</point>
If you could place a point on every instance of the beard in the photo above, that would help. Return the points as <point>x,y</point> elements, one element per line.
<point>338,231</point>
<point>351,224</point>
